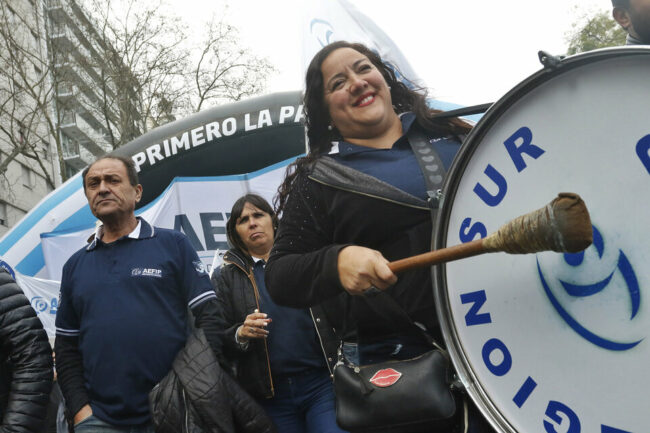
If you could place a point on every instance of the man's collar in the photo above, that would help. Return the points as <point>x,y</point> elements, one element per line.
<point>142,230</point>
<point>344,148</point>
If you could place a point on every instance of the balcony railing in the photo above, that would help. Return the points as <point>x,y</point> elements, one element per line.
<point>77,128</point>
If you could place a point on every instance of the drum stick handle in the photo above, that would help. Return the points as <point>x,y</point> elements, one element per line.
<point>443,255</point>
<point>563,225</point>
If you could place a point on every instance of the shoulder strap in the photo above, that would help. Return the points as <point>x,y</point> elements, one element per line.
<point>433,170</point>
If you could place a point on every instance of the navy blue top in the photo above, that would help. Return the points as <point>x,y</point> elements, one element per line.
<point>292,341</point>
<point>127,302</point>
<point>396,166</point>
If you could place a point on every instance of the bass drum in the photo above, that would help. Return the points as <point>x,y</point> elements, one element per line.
<point>555,342</point>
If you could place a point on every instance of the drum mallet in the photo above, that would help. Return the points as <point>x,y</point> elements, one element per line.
<point>563,226</point>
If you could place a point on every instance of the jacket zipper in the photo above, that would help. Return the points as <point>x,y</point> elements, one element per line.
<point>369,195</point>
<point>320,341</point>
<point>251,278</point>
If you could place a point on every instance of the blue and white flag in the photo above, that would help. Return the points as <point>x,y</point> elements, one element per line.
<point>336,20</point>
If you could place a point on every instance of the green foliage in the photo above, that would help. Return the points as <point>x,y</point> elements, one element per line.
<point>599,31</point>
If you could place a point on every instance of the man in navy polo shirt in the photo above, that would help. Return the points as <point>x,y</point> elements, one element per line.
<point>123,311</point>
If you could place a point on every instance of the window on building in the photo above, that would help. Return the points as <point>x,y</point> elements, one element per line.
<point>70,170</point>
<point>29,177</point>
<point>69,146</point>
<point>3,214</point>
<point>68,117</point>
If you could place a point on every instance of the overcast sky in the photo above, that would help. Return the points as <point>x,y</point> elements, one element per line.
<point>466,52</point>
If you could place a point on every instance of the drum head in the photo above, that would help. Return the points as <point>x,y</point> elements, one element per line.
<point>556,342</point>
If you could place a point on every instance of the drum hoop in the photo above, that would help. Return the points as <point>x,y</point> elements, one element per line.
<point>459,359</point>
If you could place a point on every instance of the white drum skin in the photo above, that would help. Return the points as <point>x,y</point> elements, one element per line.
<point>550,342</point>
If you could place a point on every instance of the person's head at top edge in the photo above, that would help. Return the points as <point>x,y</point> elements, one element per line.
<point>251,226</point>
<point>634,17</point>
<point>112,189</point>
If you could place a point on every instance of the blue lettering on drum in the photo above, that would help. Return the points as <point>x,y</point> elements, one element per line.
<point>518,144</point>
<point>468,233</point>
<point>477,298</point>
<point>643,151</point>
<point>553,411</point>
<point>502,368</point>
<point>500,182</point>
<point>525,136</point>
<point>524,392</point>
<point>558,413</point>
<point>608,429</point>
<point>496,355</point>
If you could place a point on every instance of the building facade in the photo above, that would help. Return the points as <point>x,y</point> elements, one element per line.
<point>59,101</point>
<point>28,152</point>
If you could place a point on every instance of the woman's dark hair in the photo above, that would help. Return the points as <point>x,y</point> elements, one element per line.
<point>231,226</point>
<point>317,118</point>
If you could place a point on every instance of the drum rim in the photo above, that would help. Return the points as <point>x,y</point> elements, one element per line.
<point>458,356</point>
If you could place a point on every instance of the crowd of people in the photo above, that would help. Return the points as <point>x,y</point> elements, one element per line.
<point>147,341</point>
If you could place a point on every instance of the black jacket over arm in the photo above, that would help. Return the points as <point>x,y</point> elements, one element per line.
<point>198,396</point>
<point>25,362</point>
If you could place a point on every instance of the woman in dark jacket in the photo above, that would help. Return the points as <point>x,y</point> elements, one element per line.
<point>25,362</point>
<point>359,200</point>
<point>277,353</point>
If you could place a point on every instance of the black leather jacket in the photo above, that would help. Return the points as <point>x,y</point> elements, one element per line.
<point>330,207</point>
<point>25,362</point>
<point>198,396</point>
<point>237,294</point>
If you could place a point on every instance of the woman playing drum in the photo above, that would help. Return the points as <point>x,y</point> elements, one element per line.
<point>359,200</point>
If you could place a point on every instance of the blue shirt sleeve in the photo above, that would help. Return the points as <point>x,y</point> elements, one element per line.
<point>67,321</point>
<point>194,275</point>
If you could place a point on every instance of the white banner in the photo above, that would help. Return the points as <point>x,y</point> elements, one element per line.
<point>44,297</point>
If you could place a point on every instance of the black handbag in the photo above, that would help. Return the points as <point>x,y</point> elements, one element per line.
<point>412,395</point>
